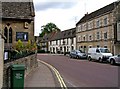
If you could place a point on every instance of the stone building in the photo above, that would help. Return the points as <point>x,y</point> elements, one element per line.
<point>98,29</point>
<point>17,22</point>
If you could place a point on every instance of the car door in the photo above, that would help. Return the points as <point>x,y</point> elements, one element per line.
<point>73,53</point>
<point>97,54</point>
<point>117,58</point>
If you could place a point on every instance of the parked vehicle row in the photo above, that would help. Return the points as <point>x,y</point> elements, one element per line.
<point>98,54</point>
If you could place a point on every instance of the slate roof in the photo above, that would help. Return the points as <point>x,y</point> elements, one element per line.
<point>18,10</point>
<point>70,33</point>
<point>98,12</point>
<point>48,37</point>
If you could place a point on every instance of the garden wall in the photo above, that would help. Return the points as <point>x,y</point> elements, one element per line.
<point>30,63</point>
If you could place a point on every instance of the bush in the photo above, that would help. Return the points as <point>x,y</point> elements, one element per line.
<point>20,50</point>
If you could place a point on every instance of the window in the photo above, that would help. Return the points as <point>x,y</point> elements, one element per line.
<point>23,36</point>
<point>84,38</point>
<point>105,35</point>
<point>5,34</point>
<point>90,38</point>
<point>97,23</point>
<point>84,49</point>
<point>98,35</point>
<point>72,48</point>
<point>105,21</point>
<point>10,35</point>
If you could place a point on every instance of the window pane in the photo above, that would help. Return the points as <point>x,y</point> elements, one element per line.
<point>10,35</point>
<point>5,34</point>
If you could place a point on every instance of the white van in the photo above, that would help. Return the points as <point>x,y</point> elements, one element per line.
<point>100,54</point>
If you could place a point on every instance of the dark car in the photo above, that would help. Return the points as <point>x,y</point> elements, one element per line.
<point>77,54</point>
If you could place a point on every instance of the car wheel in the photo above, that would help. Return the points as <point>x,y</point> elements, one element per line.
<point>100,60</point>
<point>77,57</point>
<point>112,62</point>
<point>89,58</point>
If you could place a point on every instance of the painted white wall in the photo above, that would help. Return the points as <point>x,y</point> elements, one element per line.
<point>68,46</point>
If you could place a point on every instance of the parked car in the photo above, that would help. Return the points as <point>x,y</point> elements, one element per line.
<point>114,59</point>
<point>99,54</point>
<point>78,54</point>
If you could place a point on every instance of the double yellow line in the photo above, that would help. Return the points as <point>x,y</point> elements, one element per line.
<point>60,79</point>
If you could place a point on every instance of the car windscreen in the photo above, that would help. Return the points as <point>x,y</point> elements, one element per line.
<point>104,50</point>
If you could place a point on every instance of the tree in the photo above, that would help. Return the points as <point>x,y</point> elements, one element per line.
<point>48,28</point>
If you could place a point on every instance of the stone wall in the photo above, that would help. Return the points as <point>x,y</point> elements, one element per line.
<point>30,63</point>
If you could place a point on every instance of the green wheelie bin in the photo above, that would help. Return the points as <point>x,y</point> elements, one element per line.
<point>17,76</point>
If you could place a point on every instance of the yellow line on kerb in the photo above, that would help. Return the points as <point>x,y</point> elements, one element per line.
<point>60,79</point>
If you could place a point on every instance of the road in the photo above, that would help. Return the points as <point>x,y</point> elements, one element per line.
<point>82,73</point>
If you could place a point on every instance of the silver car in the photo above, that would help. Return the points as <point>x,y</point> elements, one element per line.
<point>114,59</point>
<point>77,54</point>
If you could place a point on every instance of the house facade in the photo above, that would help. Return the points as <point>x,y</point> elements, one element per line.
<point>98,29</point>
<point>63,41</point>
<point>17,22</point>
<point>44,41</point>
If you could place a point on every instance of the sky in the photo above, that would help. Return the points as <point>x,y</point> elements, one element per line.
<point>64,13</point>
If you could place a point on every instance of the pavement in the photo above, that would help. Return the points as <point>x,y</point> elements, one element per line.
<point>42,76</point>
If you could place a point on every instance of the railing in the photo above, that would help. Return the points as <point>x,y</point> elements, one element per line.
<point>13,55</point>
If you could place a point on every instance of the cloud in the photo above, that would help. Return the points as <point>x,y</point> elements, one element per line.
<point>40,6</point>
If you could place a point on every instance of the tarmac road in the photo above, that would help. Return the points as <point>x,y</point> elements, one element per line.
<point>82,73</point>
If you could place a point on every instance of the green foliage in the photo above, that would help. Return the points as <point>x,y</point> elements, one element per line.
<point>22,50</point>
<point>48,28</point>
<point>19,45</point>
<point>28,46</point>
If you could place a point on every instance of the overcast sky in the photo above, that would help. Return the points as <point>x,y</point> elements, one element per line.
<point>64,13</point>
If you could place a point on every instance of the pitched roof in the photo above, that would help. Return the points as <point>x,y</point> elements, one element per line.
<point>48,37</point>
<point>64,34</point>
<point>98,12</point>
<point>59,35</point>
<point>18,10</point>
